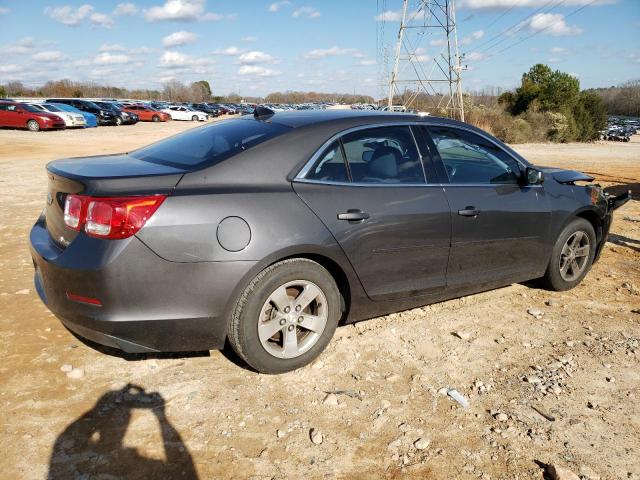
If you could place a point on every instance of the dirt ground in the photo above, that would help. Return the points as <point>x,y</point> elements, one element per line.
<point>561,387</point>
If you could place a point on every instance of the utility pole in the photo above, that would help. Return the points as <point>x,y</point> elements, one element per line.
<point>427,59</point>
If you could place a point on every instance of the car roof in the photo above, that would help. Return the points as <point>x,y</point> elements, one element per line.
<point>301,118</point>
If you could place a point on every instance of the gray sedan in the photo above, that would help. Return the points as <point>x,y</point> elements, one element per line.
<point>270,230</point>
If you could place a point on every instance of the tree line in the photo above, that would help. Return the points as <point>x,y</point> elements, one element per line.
<point>172,91</point>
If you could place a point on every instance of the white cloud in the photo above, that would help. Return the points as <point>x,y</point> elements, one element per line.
<point>255,56</point>
<point>4,11</point>
<point>112,47</point>
<point>275,6</point>
<point>550,24</point>
<point>554,60</point>
<point>47,56</point>
<point>438,42</point>
<point>107,58</point>
<point>125,9</point>
<point>11,68</point>
<point>475,56</point>
<point>477,35</point>
<point>183,10</point>
<point>67,15</point>
<point>73,17</point>
<point>328,52</point>
<point>228,52</point>
<point>21,47</point>
<point>101,20</point>
<point>366,62</point>
<point>558,50</point>
<point>503,4</point>
<point>173,59</point>
<point>249,39</point>
<point>306,12</point>
<point>257,71</point>
<point>389,16</point>
<point>179,38</point>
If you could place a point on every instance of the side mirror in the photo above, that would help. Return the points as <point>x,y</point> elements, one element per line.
<point>534,176</point>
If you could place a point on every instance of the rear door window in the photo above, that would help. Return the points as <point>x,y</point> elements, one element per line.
<point>211,144</point>
<point>385,155</point>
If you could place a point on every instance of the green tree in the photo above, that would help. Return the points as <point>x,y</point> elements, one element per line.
<point>206,87</point>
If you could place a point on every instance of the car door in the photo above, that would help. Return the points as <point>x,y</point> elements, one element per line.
<point>498,222</point>
<point>369,188</point>
<point>4,115</point>
<point>15,116</point>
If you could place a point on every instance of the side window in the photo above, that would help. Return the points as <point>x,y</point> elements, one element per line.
<point>469,158</point>
<point>385,155</point>
<point>4,106</point>
<point>331,166</point>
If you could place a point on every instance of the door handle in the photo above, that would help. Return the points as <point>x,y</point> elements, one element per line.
<point>469,211</point>
<point>353,215</point>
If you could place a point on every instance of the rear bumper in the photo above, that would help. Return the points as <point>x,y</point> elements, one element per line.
<point>613,202</point>
<point>147,303</point>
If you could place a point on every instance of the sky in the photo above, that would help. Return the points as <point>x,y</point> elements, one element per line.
<point>253,47</point>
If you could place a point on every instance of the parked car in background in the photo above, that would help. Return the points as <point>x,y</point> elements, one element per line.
<point>147,113</point>
<point>103,115</point>
<point>91,120</point>
<point>270,230</point>
<point>23,115</point>
<point>179,112</point>
<point>206,108</point>
<point>122,117</point>
<point>71,120</point>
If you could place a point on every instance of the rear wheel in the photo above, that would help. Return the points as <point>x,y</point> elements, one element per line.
<point>156,118</point>
<point>33,125</point>
<point>194,118</point>
<point>572,255</point>
<point>286,316</point>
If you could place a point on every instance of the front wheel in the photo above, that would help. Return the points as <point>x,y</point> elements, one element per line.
<point>286,316</point>
<point>118,121</point>
<point>572,256</point>
<point>194,118</point>
<point>33,125</point>
<point>156,118</point>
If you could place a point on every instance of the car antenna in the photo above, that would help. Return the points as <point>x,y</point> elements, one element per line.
<point>263,113</point>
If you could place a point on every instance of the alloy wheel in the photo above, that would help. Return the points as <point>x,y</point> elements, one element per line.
<point>33,125</point>
<point>574,256</point>
<point>292,319</point>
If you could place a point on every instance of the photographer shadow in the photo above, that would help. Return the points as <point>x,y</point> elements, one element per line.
<point>92,446</point>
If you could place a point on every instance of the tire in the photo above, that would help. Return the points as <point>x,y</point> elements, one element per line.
<point>33,126</point>
<point>554,278</point>
<point>255,309</point>
<point>155,118</point>
<point>194,118</point>
<point>118,121</point>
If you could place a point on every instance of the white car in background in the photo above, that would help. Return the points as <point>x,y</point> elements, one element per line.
<point>71,120</point>
<point>185,113</point>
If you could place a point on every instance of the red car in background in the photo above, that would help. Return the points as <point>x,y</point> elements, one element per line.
<point>147,114</point>
<point>21,115</point>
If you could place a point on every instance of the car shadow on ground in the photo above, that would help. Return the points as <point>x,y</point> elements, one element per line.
<point>134,357</point>
<point>92,445</point>
<point>623,241</point>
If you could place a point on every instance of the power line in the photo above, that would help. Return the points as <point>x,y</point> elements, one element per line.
<point>516,26</point>
<point>547,27</point>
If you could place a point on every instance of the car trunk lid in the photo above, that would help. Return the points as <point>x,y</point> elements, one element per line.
<point>102,176</point>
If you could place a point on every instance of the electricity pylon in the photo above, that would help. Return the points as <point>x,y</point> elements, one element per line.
<point>427,27</point>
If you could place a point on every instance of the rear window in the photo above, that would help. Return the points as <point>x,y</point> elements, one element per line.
<point>211,144</point>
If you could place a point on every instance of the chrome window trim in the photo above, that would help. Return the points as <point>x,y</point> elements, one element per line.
<point>300,177</point>
<point>408,185</point>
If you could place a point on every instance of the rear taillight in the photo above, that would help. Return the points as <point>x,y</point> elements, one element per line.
<point>73,211</point>
<point>110,217</point>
